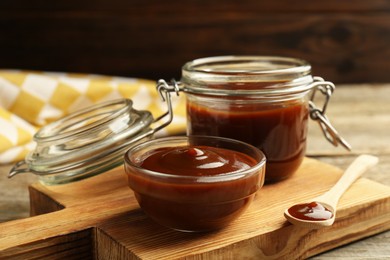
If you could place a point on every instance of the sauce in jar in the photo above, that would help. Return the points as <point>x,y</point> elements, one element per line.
<point>194,187</point>
<point>259,100</point>
<point>310,211</point>
<point>279,132</point>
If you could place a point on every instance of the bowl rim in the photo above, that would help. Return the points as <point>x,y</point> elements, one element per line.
<point>199,179</point>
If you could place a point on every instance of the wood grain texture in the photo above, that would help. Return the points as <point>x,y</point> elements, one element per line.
<point>345,42</point>
<point>75,245</point>
<point>123,231</point>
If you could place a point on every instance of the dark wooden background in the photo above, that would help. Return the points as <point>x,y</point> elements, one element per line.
<point>345,41</point>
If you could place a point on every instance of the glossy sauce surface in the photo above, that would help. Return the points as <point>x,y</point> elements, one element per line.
<point>310,211</point>
<point>196,161</point>
<point>194,203</point>
<point>279,131</point>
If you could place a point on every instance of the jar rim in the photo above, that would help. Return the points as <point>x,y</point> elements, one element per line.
<point>262,65</point>
<point>282,75</point>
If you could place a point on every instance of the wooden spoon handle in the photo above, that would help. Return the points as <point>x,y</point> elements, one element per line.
<point>360,165</point>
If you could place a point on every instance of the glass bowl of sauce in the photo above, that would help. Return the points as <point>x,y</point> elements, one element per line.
<point>194,183</point>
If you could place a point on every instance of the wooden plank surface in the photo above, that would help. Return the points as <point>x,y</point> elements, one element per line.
<point>345,42</point>
<point>106,204</point>
<point>361,114</point>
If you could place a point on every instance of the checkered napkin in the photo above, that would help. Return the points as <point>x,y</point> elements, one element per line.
<point>29,100</point>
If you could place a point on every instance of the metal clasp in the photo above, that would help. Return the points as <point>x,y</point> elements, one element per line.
<point>165,89</point>
<point>326,88</point>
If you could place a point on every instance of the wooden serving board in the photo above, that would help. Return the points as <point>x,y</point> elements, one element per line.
<point>99,218</point>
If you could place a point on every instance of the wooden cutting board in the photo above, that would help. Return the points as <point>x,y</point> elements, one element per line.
<point>99,218</point>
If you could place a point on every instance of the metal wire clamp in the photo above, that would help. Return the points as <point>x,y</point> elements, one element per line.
<point>326,88</point>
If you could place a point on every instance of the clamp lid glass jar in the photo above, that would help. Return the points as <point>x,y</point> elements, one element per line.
<point>260,100</point>
<point>88,142</point>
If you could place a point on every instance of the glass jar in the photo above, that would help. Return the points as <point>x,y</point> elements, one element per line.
<point>263,101</point>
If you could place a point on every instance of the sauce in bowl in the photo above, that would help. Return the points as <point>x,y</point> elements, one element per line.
<point>191,187</point>
<point>196,161</point>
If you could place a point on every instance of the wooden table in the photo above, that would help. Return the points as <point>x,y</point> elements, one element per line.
<point>359,112</point>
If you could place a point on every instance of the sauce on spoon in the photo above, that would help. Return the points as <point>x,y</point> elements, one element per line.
<point>310,211</point>
<point>314,214</point>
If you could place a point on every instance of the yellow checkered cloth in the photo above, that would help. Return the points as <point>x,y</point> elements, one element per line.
<point>29,100</point>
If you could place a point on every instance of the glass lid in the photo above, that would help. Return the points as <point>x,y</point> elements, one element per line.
<point>87,142</point>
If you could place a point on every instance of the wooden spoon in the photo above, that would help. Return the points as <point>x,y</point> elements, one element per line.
<point>330,199</point>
